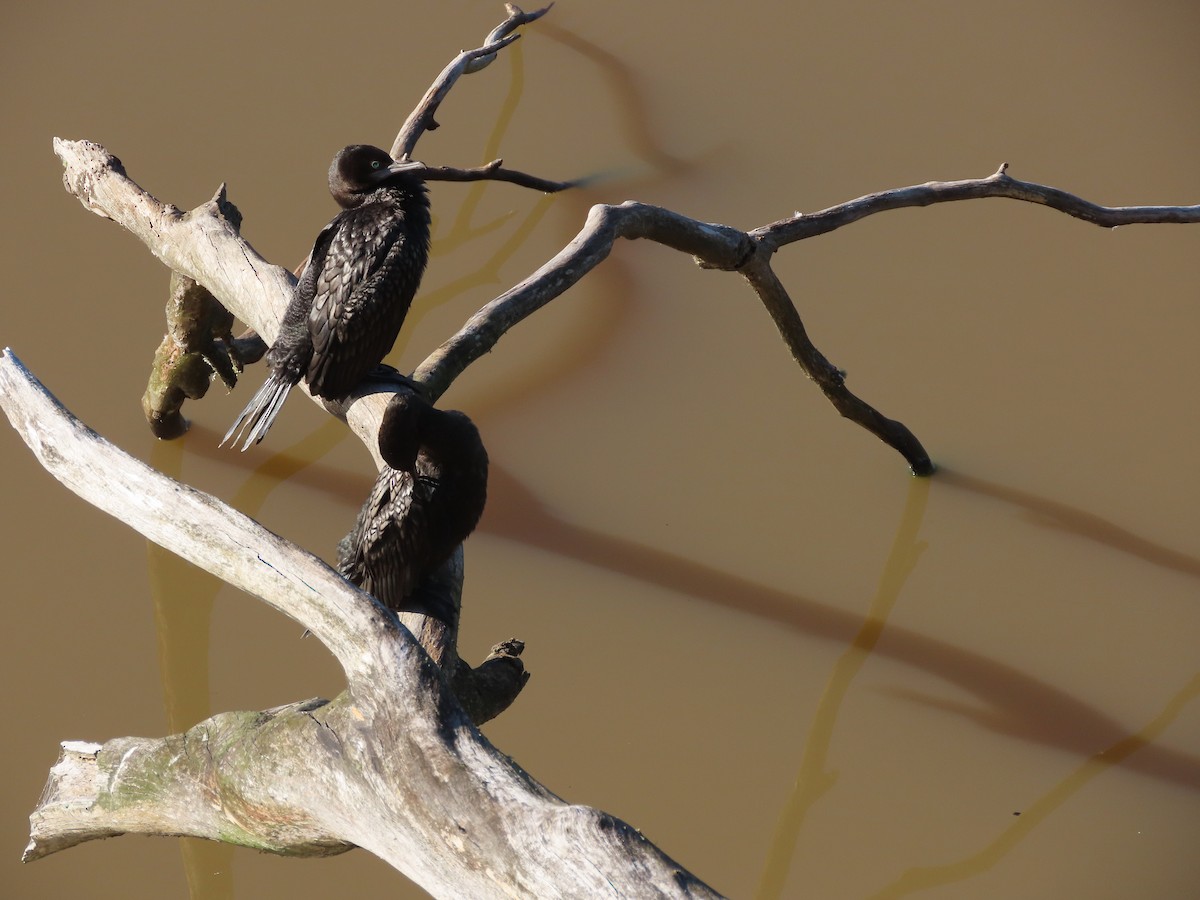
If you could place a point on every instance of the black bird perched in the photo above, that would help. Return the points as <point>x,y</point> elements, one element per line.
<point>355,291</point>
<point>426,501</point>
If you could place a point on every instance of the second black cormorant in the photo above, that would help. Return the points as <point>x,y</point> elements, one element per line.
<point>426,501</point>
<point>354,293</point>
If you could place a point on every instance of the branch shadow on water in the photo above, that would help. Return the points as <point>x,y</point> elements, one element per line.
<point>1070,520</point>
<point>1025,707</point>
<point>1018,704</point>
<point>814,779</point>
<point>920,878</point>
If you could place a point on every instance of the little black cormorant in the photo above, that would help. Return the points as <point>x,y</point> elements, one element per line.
<point>354,293</point>
<point>427,500</point>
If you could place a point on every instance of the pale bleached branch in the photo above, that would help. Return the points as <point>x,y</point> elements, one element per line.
<point>392,765</point>
<point>202,529</point>
<point>204,245</point>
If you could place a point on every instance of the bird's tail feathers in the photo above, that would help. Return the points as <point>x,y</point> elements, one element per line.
<point>255,420</point>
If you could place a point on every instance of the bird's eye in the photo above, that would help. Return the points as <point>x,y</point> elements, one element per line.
<point>374,164</point>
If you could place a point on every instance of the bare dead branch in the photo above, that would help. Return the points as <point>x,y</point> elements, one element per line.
<point>421,119</point>
<point>310,779</point>
<point>495,171</point>
<point>830,379</point>
<point>204,244</point>
<point>202,529</point>
<point>717,246</point>
<point>999,184</point>
<point>714,247</point>
<point>516,18</point>
<point>721,247</point>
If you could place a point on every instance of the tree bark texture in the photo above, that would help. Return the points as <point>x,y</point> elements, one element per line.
<point>393,765</point>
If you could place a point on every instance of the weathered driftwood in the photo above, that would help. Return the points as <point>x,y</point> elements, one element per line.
<point>204,245</point>
<point>749,253</point>
<point>393,764</point>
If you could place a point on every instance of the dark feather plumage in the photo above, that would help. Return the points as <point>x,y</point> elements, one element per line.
<point>353,295</point>
<point>425,502</point>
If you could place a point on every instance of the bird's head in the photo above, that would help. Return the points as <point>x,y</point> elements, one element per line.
<point>400,431</point>
<point>359,169</point>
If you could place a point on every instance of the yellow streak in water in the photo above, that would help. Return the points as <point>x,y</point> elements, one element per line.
<point>918,879</point>
<point>813,779</point>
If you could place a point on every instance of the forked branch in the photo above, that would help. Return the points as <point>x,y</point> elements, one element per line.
<point>1000,184</point>
<point>317,777</point>
<point>421,119</point>
<point>203,245</point>
<point>513,836</point>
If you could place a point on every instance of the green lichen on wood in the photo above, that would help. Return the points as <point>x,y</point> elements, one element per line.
<point>198,344</point>
<point>231,771</point>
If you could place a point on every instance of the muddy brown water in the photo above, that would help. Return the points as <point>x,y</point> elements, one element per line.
<point>752,635</point>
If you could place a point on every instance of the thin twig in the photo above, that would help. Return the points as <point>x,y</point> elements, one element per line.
<point>1000,184</point>
<point>494,171</point>
<point>421,119</point>
<point>516,18</point>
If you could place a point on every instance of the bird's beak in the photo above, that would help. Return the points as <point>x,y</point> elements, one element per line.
<point>405,165</point>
